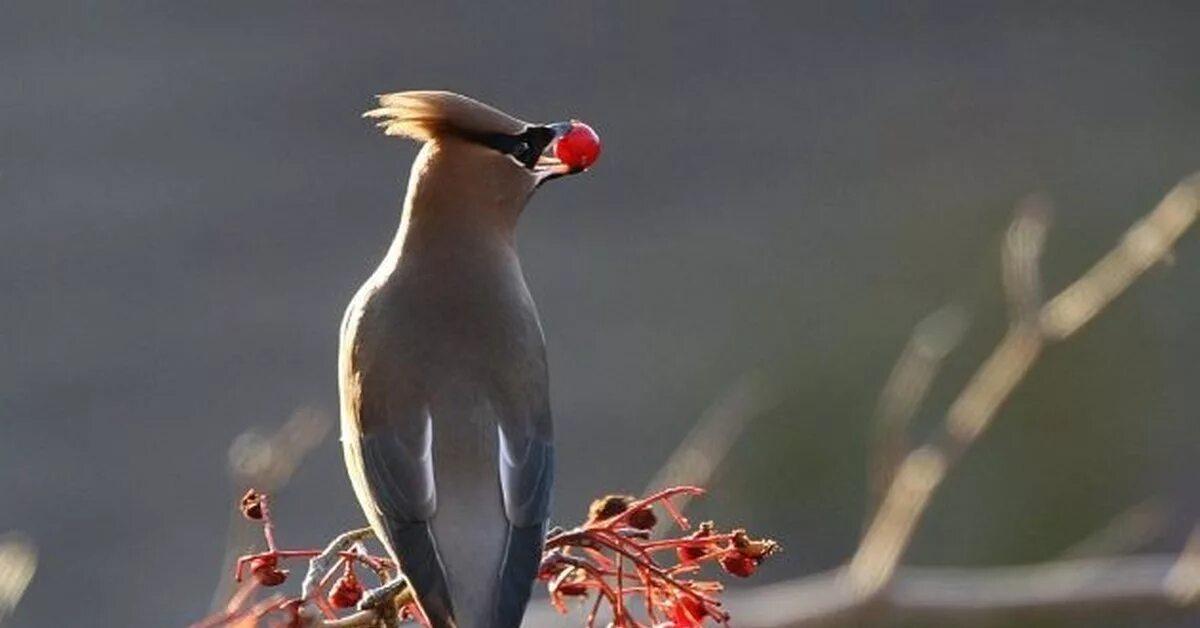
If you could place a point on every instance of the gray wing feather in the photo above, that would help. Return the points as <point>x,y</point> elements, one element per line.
<point>398,465</point>
<point>526,477</point>
<point>522,557</point>
<point>422,567</point>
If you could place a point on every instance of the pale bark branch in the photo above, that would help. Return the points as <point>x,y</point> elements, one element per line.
<point>960,596</point>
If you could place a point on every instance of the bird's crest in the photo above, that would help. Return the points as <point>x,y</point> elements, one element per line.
<point>426,115</point>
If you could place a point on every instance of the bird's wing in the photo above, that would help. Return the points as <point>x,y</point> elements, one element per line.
<point>398,467</point>
<point>526,472</point>
<point>397,470</point>
<point>526,464</point>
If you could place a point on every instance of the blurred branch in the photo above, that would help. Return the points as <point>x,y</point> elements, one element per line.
<point>923,470</point>
<point>1147,243</point>
<point>267,462</point>
<point>1021,257</point>
<point>873,580</point>
<point>931,341</point>
<point>1132,528</point>
<point>965,596</point>
<point>701,452</point>
<point>18,562</point>
<point>1183,581</point>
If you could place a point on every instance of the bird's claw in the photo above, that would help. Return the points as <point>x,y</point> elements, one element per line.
<point>388,591</point>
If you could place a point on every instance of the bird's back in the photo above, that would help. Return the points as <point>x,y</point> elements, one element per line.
<point>443,368</point>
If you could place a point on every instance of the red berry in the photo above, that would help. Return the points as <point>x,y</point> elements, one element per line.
<point>694,607</point>
<point>578,148</point>
<point>643,519</point>
<point>266,571</point>
<point>608,507</point>
<point>756,549</point>
<point>739,564</point>
<point>692,553</point>
<point>346,591</point>
<point>572,589</point>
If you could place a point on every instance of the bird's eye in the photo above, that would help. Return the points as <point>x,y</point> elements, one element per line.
<point>524,148</point>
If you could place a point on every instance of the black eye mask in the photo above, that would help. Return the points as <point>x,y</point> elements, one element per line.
<point>526,147</point>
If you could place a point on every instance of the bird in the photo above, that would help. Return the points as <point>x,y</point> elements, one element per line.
<point>445,415</point>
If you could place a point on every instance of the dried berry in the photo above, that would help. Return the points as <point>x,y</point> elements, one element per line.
<point>757,549</point>
<point>346,591</point>
<point>739,564</point>
<point>266,571</point>
<point>643,519</point>
<point>608,507</point>
<point>692,553</point>
<point>573,588</point>
<point>570,583</point>
<point>251,505</point>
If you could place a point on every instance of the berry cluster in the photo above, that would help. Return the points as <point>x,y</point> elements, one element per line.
<point>613,555</point>
<point>328,595</point>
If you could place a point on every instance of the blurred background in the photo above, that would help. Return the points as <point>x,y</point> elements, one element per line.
<point>188,199</point>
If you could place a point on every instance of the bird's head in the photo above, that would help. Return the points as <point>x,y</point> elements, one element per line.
<point>486,143</point>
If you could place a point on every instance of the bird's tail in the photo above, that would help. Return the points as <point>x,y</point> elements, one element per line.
<point>522,557</point>
<point>423,569</point>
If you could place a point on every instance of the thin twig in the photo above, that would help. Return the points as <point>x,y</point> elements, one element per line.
<point>1129,530</point>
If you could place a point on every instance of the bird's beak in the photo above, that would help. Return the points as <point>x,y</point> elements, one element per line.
<point>548,165</point>
<point>573,147</point>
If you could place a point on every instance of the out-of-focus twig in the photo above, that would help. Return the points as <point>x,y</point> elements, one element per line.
<point>1130,529</point>
<point>1183,581</point>
<point>1147,243</point>
<point>922,472</point>
<point>267,462</point>
<point>1021,258</point>
<point>18,562</point>
<point>703,449</point>
<point>906,387</point>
